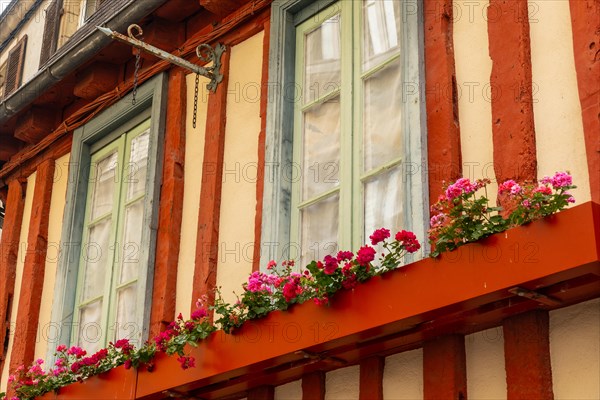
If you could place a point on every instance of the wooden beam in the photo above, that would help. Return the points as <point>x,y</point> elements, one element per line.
<point>586,44</point>
<point>96,80</point>
<point>37,123</point>
<point>262,393</point>
<point>443,130</point>
<point>8,147</point>
<point>260,170</point>
<point>207,242</point>
<point>527,356</point>
<point>171,206</point>
<point>34,268</point>
<point>445,368</point>
<point>9,250</point>
<point>371,378</point>
<point>222,8</point>
<point>513,128</point>
<point>313,386</point>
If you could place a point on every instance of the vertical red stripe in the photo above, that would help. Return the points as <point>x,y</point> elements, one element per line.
<point>445,368</point>
<point>527,356</point>
<point>33,270</point>
<point>171,206</point>
<point>443,131</point>
<point>207,242</point>
<point>313,386</point>
<point>9,250</point>
<point>585,19</point>
<point>371,378</point>
<point>512,99</point>
<point>260,175</point>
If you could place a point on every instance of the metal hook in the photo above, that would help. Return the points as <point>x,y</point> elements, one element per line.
<point>137,28</point>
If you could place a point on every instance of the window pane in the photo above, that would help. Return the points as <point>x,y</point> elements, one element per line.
<point>321,148</point>
<point>135,173</point>
<point>319,223</point>
<point>134,218</point>
<point>322,58</point>
<point>90,330</point>
<point>383,116</point>
<point>383,202</point>
<point>96,258</point>
<point>103,175</point>
<point>126,313</point>
<point>381,36</point>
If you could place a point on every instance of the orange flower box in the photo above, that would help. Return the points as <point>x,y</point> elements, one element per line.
<point>546,264</point>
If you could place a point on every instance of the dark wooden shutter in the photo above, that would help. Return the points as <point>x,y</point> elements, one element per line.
<point>51,28</point>
<point>14,68</point>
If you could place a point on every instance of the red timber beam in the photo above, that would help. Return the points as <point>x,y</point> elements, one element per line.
<point>207,242</point>
<point>9,250</point>
<point>371,378</point>
<point>527,356</point>
<point>443,130</point>
<point>313,386</point>
<point>171,206</point>
<point>260,173</point>
<point>513,128</point>
<point>34,268</point>
<point>262,393</point>
<point>585,19</point>
<point>445,368</point>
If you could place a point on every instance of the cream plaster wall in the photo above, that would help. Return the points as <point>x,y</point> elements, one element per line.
<point>46,335</point>
<point>238,200</point>
<point>557,111</point>
<point>342,384</point>
<point>473,70</point>
<point>19,274</point>
<point>289,391</point>
<point>575,351</point>
<point>403,376</point>
<point>486,376</point>
<point>194,156</point>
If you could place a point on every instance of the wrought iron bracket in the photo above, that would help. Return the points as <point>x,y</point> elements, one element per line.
<point>204,52</point>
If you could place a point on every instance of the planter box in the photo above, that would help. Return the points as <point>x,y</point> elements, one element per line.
<point>462,291</point>
<point>546,264</point>
<point>118,383</point>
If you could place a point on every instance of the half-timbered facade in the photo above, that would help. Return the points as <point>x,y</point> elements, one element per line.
<point>128,190</point>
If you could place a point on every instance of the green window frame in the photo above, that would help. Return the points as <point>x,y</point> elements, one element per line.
<point>112,130</point>
<point>291,22</point>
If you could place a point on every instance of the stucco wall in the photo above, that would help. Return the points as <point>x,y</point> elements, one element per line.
<point>473,69</point>
<point>48,335</point>
<point>575,351</point>
<point>289,391</point>
<point>19,274</point>
<point>486,376</point>
<point>557,110</point>
<point>194,156</point>
<point>238,200</point>
<point>342,384</point>
<point>403,376</point>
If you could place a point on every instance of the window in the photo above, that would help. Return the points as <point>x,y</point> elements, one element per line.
<point>89,8</point>
<point>105,272</point>
<point>107,294</point>
<point>347,142</point>
<point>13,70</point>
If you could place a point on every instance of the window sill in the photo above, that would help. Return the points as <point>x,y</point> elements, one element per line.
<point>461,292</point>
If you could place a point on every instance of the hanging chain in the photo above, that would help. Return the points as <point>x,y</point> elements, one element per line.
<point>135,76</point>
<point>195,101</point>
